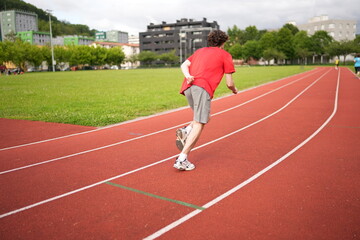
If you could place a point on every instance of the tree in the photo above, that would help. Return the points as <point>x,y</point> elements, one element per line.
<point>147,57</point>
<point>115,56</point>
<point>34,55</point>
<point>236,35</point>
<point>284,43</point>
<point>272,53</point>
<point>169,57</point>
<point>347,47</point>
<point>18,52</point>
<point>99,56</point>
<point>251,33</point>
<point>343,48</point>
<point>80,55</point>
<point>357,44</point>
<point>302,44</point>
<point>251,49</point>
<point>268,41</point>
<point>61,55</point>
<point>319,42</point>
<point>294,30</point>
<point>236,51</point>
<point>46,53</point>
<point>11,36</point>
<point>132,59</point>
<point>3,52</point>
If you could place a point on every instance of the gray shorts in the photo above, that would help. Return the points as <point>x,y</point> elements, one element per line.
<point>200,102</point>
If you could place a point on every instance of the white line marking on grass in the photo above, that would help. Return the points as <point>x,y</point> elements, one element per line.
<point>144,167</point>
<point>146,135</point>
<point>241,185</point>
<point>138,119</point>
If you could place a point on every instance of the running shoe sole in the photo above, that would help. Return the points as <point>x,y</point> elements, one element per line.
<point>180,142</point>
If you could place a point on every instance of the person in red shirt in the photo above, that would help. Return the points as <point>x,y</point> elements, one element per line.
<point>203,73</point>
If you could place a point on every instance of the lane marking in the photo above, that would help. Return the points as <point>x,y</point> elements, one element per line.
<point>147,135</point>
<point>141,168</point>
<point>312,72</point>
<point>241,185</point>
<point>156,196</point>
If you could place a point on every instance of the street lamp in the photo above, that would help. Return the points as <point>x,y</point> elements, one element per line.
<point>51,44</point>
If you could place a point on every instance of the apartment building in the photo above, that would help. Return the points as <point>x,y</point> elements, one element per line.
<point>112,36</point>
<point>15,21</point>
<point>117,36</point>
<point>184,36</point>
<point>35,37</point>
<point>338,29</point>
<point>78,40</point>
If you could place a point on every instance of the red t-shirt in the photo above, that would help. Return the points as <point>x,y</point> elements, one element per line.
<point>208,66</point>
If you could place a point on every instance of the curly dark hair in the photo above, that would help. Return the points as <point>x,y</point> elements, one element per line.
<point>216,38</point>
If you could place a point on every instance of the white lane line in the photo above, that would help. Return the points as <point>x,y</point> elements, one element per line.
<point>146,135</point>
<point>241,185</point>
<point>138,119</point>
<point>144,167</point>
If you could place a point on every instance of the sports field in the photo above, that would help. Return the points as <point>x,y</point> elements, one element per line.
<point>100,98</point>
<point>278,161</point>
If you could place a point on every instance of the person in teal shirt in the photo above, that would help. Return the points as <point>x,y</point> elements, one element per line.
<point>357,65</point>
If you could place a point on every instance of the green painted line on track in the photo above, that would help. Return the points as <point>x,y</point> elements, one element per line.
<point>156,196</point>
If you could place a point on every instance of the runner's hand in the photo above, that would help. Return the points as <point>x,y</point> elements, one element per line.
<point>190,79</point>
<point>235,91</point>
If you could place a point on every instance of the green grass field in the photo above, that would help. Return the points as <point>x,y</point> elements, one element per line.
<point>99,98</point>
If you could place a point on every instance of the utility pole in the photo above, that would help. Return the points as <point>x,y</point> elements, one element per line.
<point>51,44</point>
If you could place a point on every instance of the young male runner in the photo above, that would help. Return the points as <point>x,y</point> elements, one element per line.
<point>357,65</point>
<point>203,72</point>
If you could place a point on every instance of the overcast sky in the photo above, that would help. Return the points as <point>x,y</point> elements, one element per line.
<point>133,16</point>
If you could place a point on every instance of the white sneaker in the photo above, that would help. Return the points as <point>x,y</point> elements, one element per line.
<point>181,136</point>
<point>184,165</point>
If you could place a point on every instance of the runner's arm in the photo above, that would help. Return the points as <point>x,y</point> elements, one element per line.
<point>185,69</point>
<point>230,83</point>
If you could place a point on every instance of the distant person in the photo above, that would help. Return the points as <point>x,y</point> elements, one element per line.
<point>337,63</point>
<point>357,65</point>
<point>203,72</point>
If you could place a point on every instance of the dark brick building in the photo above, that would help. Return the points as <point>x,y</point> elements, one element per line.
<point>185,36</point>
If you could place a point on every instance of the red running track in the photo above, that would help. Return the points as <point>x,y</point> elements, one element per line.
<point>280,161</point>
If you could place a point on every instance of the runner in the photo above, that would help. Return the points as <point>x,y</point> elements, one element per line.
<point>203,72</point>
<point>337,63</point>
<point>357,65</point>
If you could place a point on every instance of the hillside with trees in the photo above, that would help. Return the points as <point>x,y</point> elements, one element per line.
<point>288,45</point>
<point>59,27</point>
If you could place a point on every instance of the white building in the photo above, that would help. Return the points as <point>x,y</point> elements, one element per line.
<point>338,29</point>
<point>134,39</point>
<point>128,49</point>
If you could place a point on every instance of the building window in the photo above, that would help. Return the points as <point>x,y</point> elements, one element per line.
<point>331,25</point>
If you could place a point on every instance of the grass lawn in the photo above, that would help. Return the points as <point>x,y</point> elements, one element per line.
<point>99,98</point>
